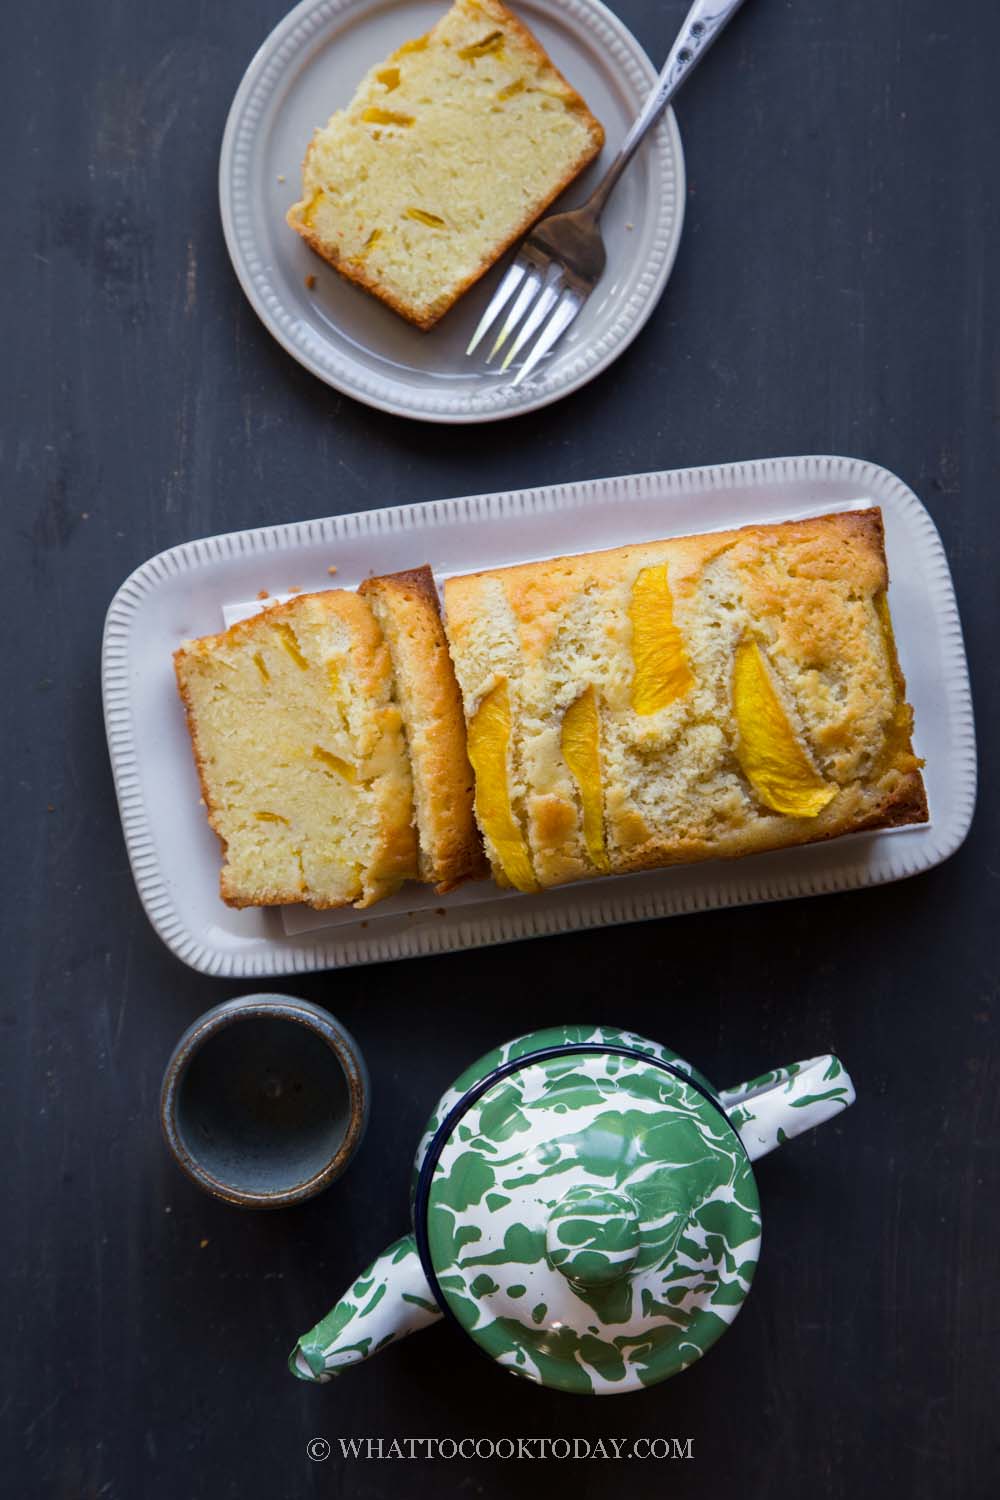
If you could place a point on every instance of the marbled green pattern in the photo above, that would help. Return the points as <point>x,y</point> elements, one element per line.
<point>592,1236</point>
<point>655,1267</point>
<point>593,1221</point>
<point>538,1041</point>
<point>780,1105</point>
<point>389,1300</point>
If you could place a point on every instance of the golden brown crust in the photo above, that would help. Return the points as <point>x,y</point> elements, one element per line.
<point>902,805</point>
<point>416,584</point>
<point>356,271</point>
<point>407,607</point>
<point>812,589</point>
<point>537,591</point>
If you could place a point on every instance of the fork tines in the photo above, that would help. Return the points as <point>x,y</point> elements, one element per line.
<point>543,303</point>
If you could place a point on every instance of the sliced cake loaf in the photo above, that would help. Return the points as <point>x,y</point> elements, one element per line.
<point>301,754</point>
<point>407,609</point>
<point>703,697</point>
<point>447,153</point>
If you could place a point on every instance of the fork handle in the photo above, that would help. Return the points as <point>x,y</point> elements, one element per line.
<point>702,25</point>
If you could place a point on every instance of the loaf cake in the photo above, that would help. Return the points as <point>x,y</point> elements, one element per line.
<point>448,152</point>
<point>407,609</point>
<point>704,697</point>
<point>301,754</point>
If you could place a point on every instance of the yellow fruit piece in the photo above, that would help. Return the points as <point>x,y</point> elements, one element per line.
<point>899,731</point>
<point>389,78</point>
<point>335,763</point>
<point>581,748</point>
<point>366,248</point>
<point>373,115</point>
<point>309,212</point>
<point>489,736</point>
<point>881,602</point>
<point>289,642</point>
<point>423,217</point>
<point>661,672</point>
<point>333,674</point>
<point>491,43</point>
<point>419,44</point>
<point>261,666</point>
<point>773,760</point>
<point>517,87</point>
<point>270,817</point>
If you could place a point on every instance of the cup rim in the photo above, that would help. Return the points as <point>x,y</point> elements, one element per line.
<point>281,1007</point>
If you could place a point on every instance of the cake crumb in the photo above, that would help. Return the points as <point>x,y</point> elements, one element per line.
<point>440,911</point>
<point>263,594</point>
<point>281,176</point>
<point>629,226</point>
<point>332,569</point>
<point>202,1244</point>
<point>310,281</point>
<point>295,588</point>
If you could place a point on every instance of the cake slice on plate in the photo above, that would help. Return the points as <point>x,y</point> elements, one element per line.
<point>447,154</point>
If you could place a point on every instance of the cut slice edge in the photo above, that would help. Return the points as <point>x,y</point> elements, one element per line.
<point>408,612</point>
<point>274,850</point>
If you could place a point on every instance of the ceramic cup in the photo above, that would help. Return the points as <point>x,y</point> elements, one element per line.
<point>264,1100</point>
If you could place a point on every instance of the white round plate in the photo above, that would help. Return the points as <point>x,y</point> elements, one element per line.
<point>308,67</point>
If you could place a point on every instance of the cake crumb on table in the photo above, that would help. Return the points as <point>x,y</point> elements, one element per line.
<point>263,594</point>
<point>310,281</point>
<point>332,569</point>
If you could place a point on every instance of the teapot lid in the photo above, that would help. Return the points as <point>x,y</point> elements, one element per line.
<point>586,1211</point>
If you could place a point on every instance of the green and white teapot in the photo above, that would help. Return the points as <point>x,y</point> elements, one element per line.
<point>584,1207</point>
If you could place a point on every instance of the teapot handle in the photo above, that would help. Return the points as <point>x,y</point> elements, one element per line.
<point>781,1104</point>
<point>388,1301</point>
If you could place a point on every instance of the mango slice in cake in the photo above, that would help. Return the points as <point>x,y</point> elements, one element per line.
<point>703,697</point>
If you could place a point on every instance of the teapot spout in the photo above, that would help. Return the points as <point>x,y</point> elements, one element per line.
<point>779,1105</point>
<point>388,1301</point>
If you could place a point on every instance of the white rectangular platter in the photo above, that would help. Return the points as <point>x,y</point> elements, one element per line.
<point>182,593</point>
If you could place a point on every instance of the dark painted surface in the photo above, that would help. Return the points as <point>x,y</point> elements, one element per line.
<point>836,291</point>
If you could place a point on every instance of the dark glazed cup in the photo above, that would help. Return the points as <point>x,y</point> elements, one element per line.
<point>265,1100</point>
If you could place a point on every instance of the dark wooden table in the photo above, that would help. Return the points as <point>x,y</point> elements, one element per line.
<point>836,291</point>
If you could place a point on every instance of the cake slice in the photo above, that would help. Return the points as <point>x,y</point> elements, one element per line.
<point>704,697</point>
<point>301,754</point>
<point>407,610</point>
<point>448,152</point>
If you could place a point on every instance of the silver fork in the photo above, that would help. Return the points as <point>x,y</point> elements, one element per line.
<point>563,257</point>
